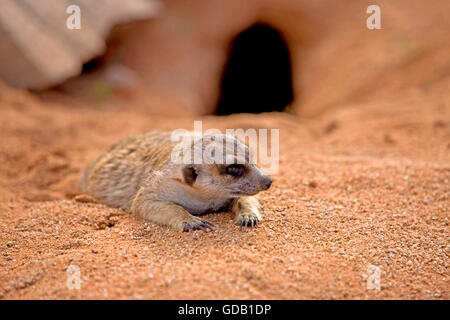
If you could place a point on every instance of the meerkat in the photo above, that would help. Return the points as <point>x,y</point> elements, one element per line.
<point>138,174</point>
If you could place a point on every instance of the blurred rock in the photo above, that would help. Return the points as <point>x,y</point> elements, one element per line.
<point>38,50</point>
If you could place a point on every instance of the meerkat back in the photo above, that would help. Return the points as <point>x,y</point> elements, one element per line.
<point>116,176</point>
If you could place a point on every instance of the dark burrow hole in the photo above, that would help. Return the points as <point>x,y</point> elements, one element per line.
<point>257,76</point>
<point>92,65</point>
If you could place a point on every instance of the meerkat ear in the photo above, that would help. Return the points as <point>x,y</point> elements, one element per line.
<point>190,174</point>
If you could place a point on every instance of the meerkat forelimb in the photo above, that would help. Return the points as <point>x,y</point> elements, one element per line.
<point>167,213</point>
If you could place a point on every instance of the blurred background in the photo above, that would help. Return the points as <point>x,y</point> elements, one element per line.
<point>202,57</point>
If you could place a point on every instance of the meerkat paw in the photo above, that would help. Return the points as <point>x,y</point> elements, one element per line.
<point>246,211</point>
<point>196,223</point>
<point>247,220</point>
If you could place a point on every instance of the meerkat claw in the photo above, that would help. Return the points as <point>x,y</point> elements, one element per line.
<point>209,224</point>
<point>205,226</point>
<point>247,222</point>
<point>198,225</point>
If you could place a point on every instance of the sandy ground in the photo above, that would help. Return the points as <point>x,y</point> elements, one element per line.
<point>363,184</point>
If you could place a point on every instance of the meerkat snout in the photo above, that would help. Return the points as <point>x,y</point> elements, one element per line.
<point>267,182</point>
<point>263,180</point>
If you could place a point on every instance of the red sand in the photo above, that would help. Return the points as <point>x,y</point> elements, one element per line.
<point>365,185</point>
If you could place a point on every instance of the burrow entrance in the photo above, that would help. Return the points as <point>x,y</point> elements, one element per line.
<point>257,76</point>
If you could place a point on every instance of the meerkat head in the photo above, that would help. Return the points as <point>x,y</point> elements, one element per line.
<point>226,169</point>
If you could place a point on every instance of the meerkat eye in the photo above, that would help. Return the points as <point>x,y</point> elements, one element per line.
<point>235,170</point>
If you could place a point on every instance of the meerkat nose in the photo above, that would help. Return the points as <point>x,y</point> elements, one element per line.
<point>267,182</point>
